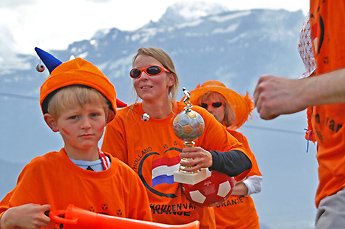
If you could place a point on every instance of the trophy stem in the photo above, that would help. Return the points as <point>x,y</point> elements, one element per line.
<point>188,144</point>
<point>185,145</point>
<point>191,178</point>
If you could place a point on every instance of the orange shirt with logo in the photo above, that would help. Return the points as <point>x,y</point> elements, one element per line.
<point>328,31</point>
<point>152,150</point>
<point>54,179</point>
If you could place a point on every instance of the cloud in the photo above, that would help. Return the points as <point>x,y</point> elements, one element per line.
<point>98,1</point>
<point>16,3</point>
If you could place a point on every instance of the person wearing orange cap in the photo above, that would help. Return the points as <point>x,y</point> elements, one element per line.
<point>78,101</point>
<point>232,110</point>
<point>142,136</point>
<point>323,94</point>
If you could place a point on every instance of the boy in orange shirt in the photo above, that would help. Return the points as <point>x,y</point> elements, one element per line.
<point>77,100</point>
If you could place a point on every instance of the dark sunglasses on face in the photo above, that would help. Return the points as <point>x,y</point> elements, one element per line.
<point>214,104</point>
<point>150,70</point>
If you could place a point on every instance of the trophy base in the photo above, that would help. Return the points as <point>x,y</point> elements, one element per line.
<point>191,178</point>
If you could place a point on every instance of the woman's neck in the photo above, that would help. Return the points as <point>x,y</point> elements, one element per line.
<point>158,110</point>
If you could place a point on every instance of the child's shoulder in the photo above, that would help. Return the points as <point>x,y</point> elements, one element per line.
<point>42,163</point>
<point>45,157</point>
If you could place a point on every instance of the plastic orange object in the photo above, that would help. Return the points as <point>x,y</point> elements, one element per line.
<point>76,218</point>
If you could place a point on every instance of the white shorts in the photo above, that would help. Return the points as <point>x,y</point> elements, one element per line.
<point>331,212</point>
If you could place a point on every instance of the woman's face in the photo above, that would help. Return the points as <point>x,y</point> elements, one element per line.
<point>217,112</point>
<point>152,88</point>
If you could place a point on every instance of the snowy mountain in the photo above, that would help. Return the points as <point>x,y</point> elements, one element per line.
<point>235,47</point>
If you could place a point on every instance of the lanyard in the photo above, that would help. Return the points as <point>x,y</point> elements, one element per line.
<point>104,160</point>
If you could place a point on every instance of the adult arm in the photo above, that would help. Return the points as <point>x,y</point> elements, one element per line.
<point>232,163</point>
<point>275,95</point>
<point>25,216</point>
<point>249,186</point>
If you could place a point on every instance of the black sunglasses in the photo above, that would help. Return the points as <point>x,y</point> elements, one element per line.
<point>150,70</point>
<point>214,104</point>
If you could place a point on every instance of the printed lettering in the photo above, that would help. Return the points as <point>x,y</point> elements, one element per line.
<point>317,118</point>
<point>339,127</point>
<point>185,205</point>
<point>331,125</point>
<point>139,156</point>
<point>172,209</point>
<point>228,202</point>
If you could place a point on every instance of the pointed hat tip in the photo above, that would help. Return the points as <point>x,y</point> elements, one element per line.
<point>49,60</point>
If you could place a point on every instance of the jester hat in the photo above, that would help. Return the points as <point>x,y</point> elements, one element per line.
<point>74,72</point>
<point>243,105</point>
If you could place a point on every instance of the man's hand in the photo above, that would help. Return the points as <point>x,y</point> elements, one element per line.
<point>275,95</point>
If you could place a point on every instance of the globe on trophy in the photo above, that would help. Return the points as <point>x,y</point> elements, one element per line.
<point>188,126</point>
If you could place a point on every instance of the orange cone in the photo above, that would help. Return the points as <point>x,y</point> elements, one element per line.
<point>75,218</point>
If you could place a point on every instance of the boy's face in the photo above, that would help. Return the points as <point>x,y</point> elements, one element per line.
<point>82,127</point>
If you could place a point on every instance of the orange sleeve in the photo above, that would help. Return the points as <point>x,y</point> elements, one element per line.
<point>241,138</point>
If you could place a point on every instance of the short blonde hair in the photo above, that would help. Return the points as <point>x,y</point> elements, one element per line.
<point>75,95</point>
<point>229,112</point>
<point>167,63</point>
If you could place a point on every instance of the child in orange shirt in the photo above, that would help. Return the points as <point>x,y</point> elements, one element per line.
<point>232,110</point>
<point>78,101</point>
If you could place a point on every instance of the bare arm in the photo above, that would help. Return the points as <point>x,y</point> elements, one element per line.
<point>240,189</point>
<point>29,216</point>
<point>277,95</point>
<point>249,186</point>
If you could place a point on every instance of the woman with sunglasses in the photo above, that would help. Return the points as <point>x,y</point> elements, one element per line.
<point>142,136</point>
<point>232,110</point>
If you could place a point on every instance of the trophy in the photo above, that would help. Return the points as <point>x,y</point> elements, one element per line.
<point>203,188</point>
<point>188,126</point>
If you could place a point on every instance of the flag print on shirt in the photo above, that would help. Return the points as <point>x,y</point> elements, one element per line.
<point>163,170</point>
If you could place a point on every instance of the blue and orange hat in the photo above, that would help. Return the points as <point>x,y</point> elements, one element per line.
<point>75,72</point>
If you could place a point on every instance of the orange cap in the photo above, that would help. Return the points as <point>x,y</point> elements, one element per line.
<point>77,71</point>
<point>243,105</point>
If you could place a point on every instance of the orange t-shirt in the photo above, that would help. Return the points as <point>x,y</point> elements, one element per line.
<point>239,212</point>
<point>152,150</point>
<point>328,31</point>
<point>54,179</point>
